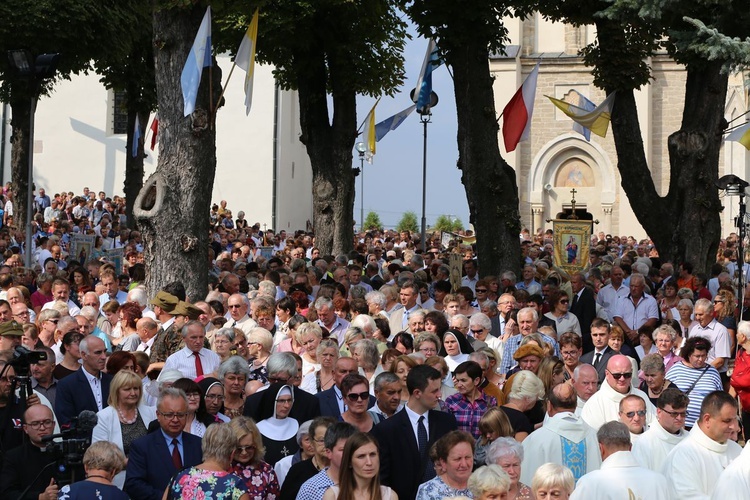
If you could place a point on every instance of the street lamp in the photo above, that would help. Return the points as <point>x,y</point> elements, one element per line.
<point>424,116</point>
<point>361,148</point>
<point>734,186</point>
<point>36,71</point>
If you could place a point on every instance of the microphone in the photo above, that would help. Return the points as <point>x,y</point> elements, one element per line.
<point>83,424</point>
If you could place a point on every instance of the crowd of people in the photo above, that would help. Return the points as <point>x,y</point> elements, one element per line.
<point>371,374</point>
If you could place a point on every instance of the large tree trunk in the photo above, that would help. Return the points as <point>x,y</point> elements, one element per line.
<point>329,146</point>
<point>19,160</point>
<point>134,165</point>
<point>489,181</point>
<point>173,206</point>
<point>684,224</point>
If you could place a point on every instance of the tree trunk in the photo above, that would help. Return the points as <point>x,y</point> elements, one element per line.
<point>134,165</point>
<point>173,206</point>
<point>19,160</point>
<point>329,146</point>
<point>490,183</point>
<point>685,224</point>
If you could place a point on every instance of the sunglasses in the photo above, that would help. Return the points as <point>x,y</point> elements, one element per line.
<point>618,376</point>
<point>353,396</point>
<point>640,413</point>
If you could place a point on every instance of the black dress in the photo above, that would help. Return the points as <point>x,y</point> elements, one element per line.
<point>518,420</point>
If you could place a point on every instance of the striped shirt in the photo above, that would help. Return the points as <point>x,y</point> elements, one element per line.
<point>684,377</point>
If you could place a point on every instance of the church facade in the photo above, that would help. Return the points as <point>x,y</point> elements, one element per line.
<point>555,159</point>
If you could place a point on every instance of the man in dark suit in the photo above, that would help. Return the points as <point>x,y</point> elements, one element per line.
<point>156,457</point>
<point>584,308</point>
<point>406,437</point>
<point>282,367</point>
<point>602,352</point>
<point>331,401</point>
<point>86,389</point>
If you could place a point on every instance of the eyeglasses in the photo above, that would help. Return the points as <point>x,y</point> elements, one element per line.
<point>286,401</point>
<point>41,423</point>
<point>640,413</point>
<point>53,321</point>
<point>675,414</point>
<point>173,415</point>
<point>618,376</point>
<point>193,395</point>
<point>278,379</point>
<point>481,290</point>
<point>217,397</point>
<point>353,396</point>
<point>477,332</point>
<point>568,354</point>
<point>245,449</point>
<point>428,350</point>
<point>564,301</point>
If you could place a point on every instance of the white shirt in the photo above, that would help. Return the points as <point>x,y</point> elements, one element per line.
<point>184,361</point>
<point>720,343</point>
<point>604,406</point>
<point>146,347</point>
<point>545,445</point>
<point>96,387</point>
<point>414,420</point>
<point>735,478</point>
<point>470,282</point>
<point>693,467</point>
<point>608,297</point>
<point>245,323</point>
<point>635,315</point>
<point>73,309</point>
<point>121,298</point>
<point>621,478</point>
<point>652,448</point>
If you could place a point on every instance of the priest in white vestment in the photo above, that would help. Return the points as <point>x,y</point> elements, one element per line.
<point>735,478</point>
<point>604,406</point>
<point>633,414</point>
<point>620,477</point>
<point>586,382</point>
<point>693,467</point>
<point>665,432</point>
<point>564,439</point>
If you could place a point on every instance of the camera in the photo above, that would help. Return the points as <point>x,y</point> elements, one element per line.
<point>24,358</point>
<point>68,451</point>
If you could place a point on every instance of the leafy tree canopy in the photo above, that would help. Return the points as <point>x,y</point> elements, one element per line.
<point>372,221</point>
<point>408,222</point>
<point>448,224</point>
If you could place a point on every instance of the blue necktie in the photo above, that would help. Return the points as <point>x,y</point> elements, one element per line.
<point>429,471</point>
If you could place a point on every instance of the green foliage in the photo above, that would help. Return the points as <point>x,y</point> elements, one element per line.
<point>302,37</point>
<point>80,30</point>
<point>372,221</point>
<point>408,222</point>
<point>709,43</point>
<point>448,224</point>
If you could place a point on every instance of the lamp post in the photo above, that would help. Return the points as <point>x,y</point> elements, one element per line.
<point>424,116</point>
<point>734,186</point>
<point>36,71</point>
<point>361,148</point>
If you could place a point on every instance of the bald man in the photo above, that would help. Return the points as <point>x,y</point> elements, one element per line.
<point>604,406</point>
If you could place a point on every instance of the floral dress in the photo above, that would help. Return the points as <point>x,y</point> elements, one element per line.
<point>436,488</point>
<point>260,480</point>
<point>200,484</point>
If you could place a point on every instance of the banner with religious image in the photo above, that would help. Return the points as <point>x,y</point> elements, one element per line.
<point>572,239</point>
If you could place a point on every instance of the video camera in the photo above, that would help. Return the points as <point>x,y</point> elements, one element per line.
<point>23,358</point>
<point>68,451</point>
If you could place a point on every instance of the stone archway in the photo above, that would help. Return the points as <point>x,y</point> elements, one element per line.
<point>568,162</point>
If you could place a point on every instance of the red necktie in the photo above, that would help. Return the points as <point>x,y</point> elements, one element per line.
<point>176,459</point>
<point>198,365</point>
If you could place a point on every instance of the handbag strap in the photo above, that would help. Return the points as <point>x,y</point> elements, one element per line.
<point>698,379</point>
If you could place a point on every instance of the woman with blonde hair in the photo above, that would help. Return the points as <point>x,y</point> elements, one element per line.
<point>212,477</point>
<point>126,418</point>
<point>309,336</point>
<point>493,424</point>
<point>247,462</point>
<point>524,393</point>
<point>552,481</point>
<point>489,482</point>
<point>401,366</point>
<point>725,306</point>
<point>322,380</point>
<point>551,372</point>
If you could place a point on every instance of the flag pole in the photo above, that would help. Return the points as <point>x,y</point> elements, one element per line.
<point>223,90</point>
<point>368,114</point>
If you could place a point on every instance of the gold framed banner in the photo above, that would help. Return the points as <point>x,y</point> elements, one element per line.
<point>572,242</point>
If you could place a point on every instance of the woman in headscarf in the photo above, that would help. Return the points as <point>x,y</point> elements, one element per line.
<point>279,432</point>
<point>213,395</point>
<point>456,348</point>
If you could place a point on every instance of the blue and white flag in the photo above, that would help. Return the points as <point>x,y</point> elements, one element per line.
<point>136,136</point>
<point>392,123</point>
<point>583,103</point>
<point>198,58</point>
<point>424,82</point>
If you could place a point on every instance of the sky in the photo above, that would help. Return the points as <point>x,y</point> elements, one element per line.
<point>393,183</point>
